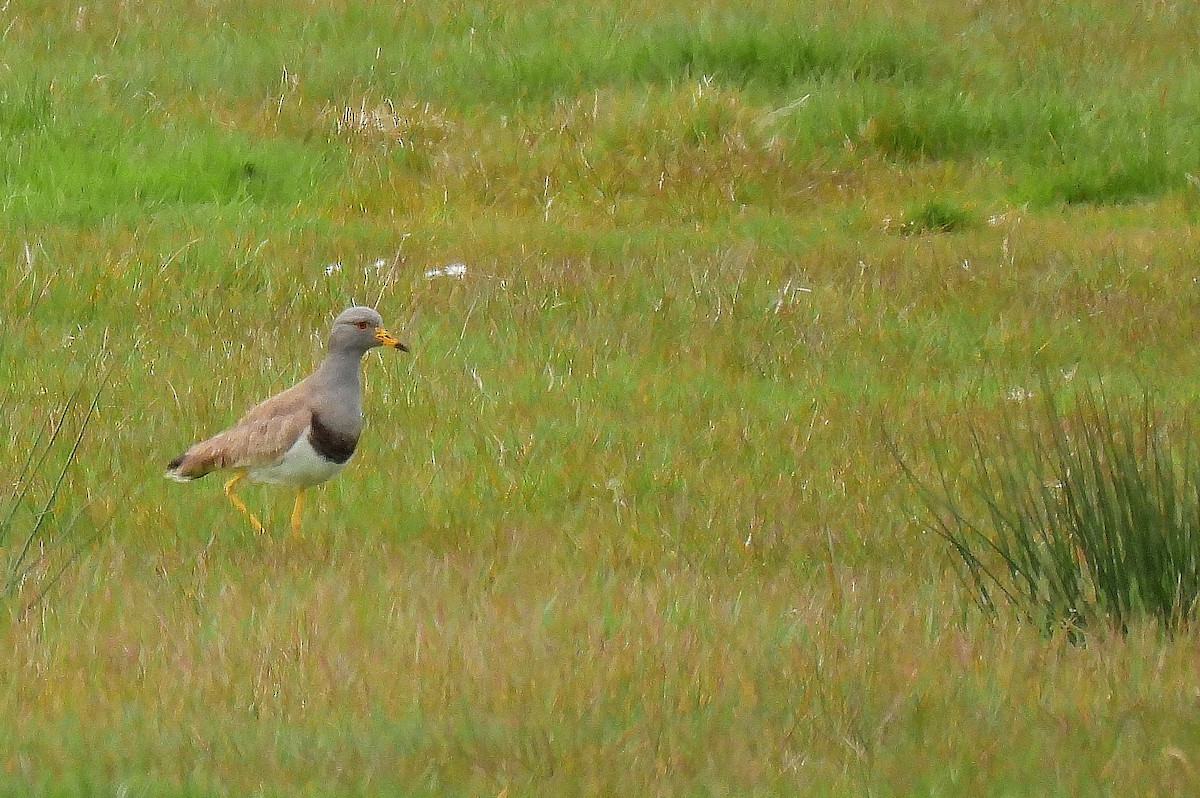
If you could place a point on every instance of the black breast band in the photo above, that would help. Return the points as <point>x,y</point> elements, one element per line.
<point>334,446</point>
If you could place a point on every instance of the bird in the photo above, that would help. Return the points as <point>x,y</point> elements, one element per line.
<point>301,436</point>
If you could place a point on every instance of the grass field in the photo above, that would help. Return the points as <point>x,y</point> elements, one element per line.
<point>625,522</point>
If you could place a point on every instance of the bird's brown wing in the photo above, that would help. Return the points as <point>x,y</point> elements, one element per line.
<point>260,438</point>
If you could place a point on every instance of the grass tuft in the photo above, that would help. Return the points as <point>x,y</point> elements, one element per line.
<point>1091,181</point>
<point>743,51</point>
<point>937,216</point>
<point>1083,519</point>
<point>930,125</point>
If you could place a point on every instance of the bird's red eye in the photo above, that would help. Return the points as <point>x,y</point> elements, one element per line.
<point>362,325</point>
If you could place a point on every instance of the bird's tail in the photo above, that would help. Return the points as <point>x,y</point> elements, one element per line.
<point>176,470</point>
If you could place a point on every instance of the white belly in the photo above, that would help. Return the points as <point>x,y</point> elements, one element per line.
<point>300,466</point>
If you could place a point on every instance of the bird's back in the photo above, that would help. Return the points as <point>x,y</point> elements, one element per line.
<point>259,438</point>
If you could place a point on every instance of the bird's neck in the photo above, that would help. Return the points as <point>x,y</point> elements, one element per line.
<point>342,369</point>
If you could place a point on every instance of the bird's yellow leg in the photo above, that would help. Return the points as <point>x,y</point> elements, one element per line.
<point>238,503</point>
<point>296,511</point>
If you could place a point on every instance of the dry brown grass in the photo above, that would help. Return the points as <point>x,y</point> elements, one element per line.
<point>371,668</point>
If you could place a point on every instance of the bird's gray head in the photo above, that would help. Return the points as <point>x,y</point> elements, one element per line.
<point>357,329</point>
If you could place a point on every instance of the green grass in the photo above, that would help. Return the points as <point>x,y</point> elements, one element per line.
<point>1078,519</point>
<point>42,528</point>
<point>624,522</point>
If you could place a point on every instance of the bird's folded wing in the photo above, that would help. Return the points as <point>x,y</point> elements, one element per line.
<point>261,441</point>
<point>261,437</point>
